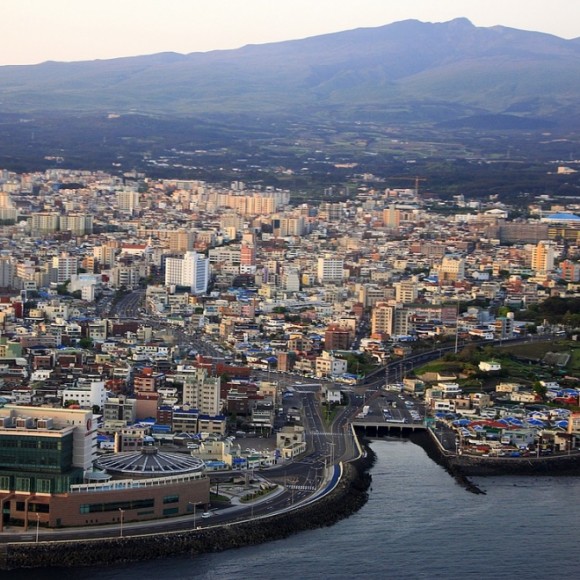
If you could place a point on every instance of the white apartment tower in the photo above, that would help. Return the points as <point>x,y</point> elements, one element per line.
<point>45,222</point>
<point>65,266</point>
<point>7,271</point>
<point>200,391</point>
<point>78,224</point>
<point>128,200</point>
<point>330,270</point>
<point>192,271</point>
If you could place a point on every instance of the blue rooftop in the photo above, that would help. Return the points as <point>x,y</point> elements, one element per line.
<point>568,217</point>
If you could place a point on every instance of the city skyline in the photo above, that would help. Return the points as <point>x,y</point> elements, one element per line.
<point>36,32</point>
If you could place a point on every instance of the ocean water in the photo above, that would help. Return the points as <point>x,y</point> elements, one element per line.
<point>418,523</point>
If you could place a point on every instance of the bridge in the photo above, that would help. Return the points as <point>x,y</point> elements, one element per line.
<point>374,428</point>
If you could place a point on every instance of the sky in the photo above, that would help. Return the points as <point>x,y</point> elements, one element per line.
<point>35,31</point>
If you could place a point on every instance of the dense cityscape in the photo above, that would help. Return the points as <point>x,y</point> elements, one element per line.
<point>157,334</point>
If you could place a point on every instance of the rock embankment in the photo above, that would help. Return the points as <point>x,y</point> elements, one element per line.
<point>350,495</point>
<point>464,466</point>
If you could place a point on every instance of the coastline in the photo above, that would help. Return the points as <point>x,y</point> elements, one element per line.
<point>350,494</point>
<point>463,466</point>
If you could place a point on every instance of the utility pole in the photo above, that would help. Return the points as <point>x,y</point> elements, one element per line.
<point>122,512</point>
<point>457,328</point>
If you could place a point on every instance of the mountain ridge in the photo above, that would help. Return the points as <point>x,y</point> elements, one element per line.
<point>453,66</point>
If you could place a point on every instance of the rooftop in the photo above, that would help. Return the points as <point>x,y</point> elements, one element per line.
<point>149,462</point>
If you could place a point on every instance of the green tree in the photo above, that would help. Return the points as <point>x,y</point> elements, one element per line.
<point>86,342</point>
<point>540,390</point>
<point>62,289</point>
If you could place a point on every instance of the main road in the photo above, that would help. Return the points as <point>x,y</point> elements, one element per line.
<point>299,481</point>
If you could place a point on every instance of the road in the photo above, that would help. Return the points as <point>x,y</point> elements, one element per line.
<point>300,480</point>
<point>129,306</point>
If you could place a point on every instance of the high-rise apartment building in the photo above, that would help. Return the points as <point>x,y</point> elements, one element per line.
<point>43,223</point>
<point>64,266</point>
<point>543,257</point>
<point>128,200</point>
<point>8,212</point>
<point>78,224</point>
<point>406,291</point>
<point>181,241</point>
<point>330,270</point>
<point>7,271</point>
<point>191,271</point>
<point>105,254</point>
<point>200,391</point>
<point>391,217</point>
<point>391,319</point>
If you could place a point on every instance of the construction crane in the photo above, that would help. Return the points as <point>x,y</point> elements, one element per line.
<point>416,179</point>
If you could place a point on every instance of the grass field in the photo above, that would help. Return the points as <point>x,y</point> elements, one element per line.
<point>517,369</point>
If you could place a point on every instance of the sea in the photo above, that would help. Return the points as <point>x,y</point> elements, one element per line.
<point>418,523</point>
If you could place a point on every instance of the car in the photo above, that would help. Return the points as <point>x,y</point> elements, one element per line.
<point>206,515</point>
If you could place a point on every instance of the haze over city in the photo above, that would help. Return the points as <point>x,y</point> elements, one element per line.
<point>37,31</point>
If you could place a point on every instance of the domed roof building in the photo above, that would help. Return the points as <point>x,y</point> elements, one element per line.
<point>149,462</point>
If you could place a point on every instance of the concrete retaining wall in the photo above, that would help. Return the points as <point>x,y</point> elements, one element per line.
<point>350,495</point>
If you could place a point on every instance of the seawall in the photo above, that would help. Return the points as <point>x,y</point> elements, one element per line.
<point>462,466</point>
<point>350,494</point>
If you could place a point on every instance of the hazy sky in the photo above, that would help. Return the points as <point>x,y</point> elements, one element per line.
<point>38,30</point>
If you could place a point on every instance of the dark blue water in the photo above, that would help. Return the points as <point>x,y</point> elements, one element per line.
<point>418,523</point>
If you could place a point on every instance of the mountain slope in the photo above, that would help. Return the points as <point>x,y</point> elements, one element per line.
<point>435,71</point>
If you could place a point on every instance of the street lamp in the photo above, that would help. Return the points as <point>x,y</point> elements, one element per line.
<point>37,525</point>
<point>122,512</point>
<point>194,513</point>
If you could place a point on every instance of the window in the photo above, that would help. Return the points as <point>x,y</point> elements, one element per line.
<point>43,485</point>
<point>22,484</point>
<point>90,508</point>
<point>171,499</point>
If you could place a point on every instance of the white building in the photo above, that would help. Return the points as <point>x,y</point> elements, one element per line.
<point>65,266</point>
<point>200,391</point>
<point>7,271</point>
<point>128,200</point>
<point>328,365</point>
<point>87,394</point>
<point>191,271</point>
<point>330,270</point>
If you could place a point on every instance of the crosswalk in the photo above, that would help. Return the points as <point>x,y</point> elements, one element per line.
<point>302,487</point>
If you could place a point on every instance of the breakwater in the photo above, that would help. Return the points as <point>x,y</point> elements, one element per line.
<point>349,495</point>
<point>463,466</point>
<point>561,464</point>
